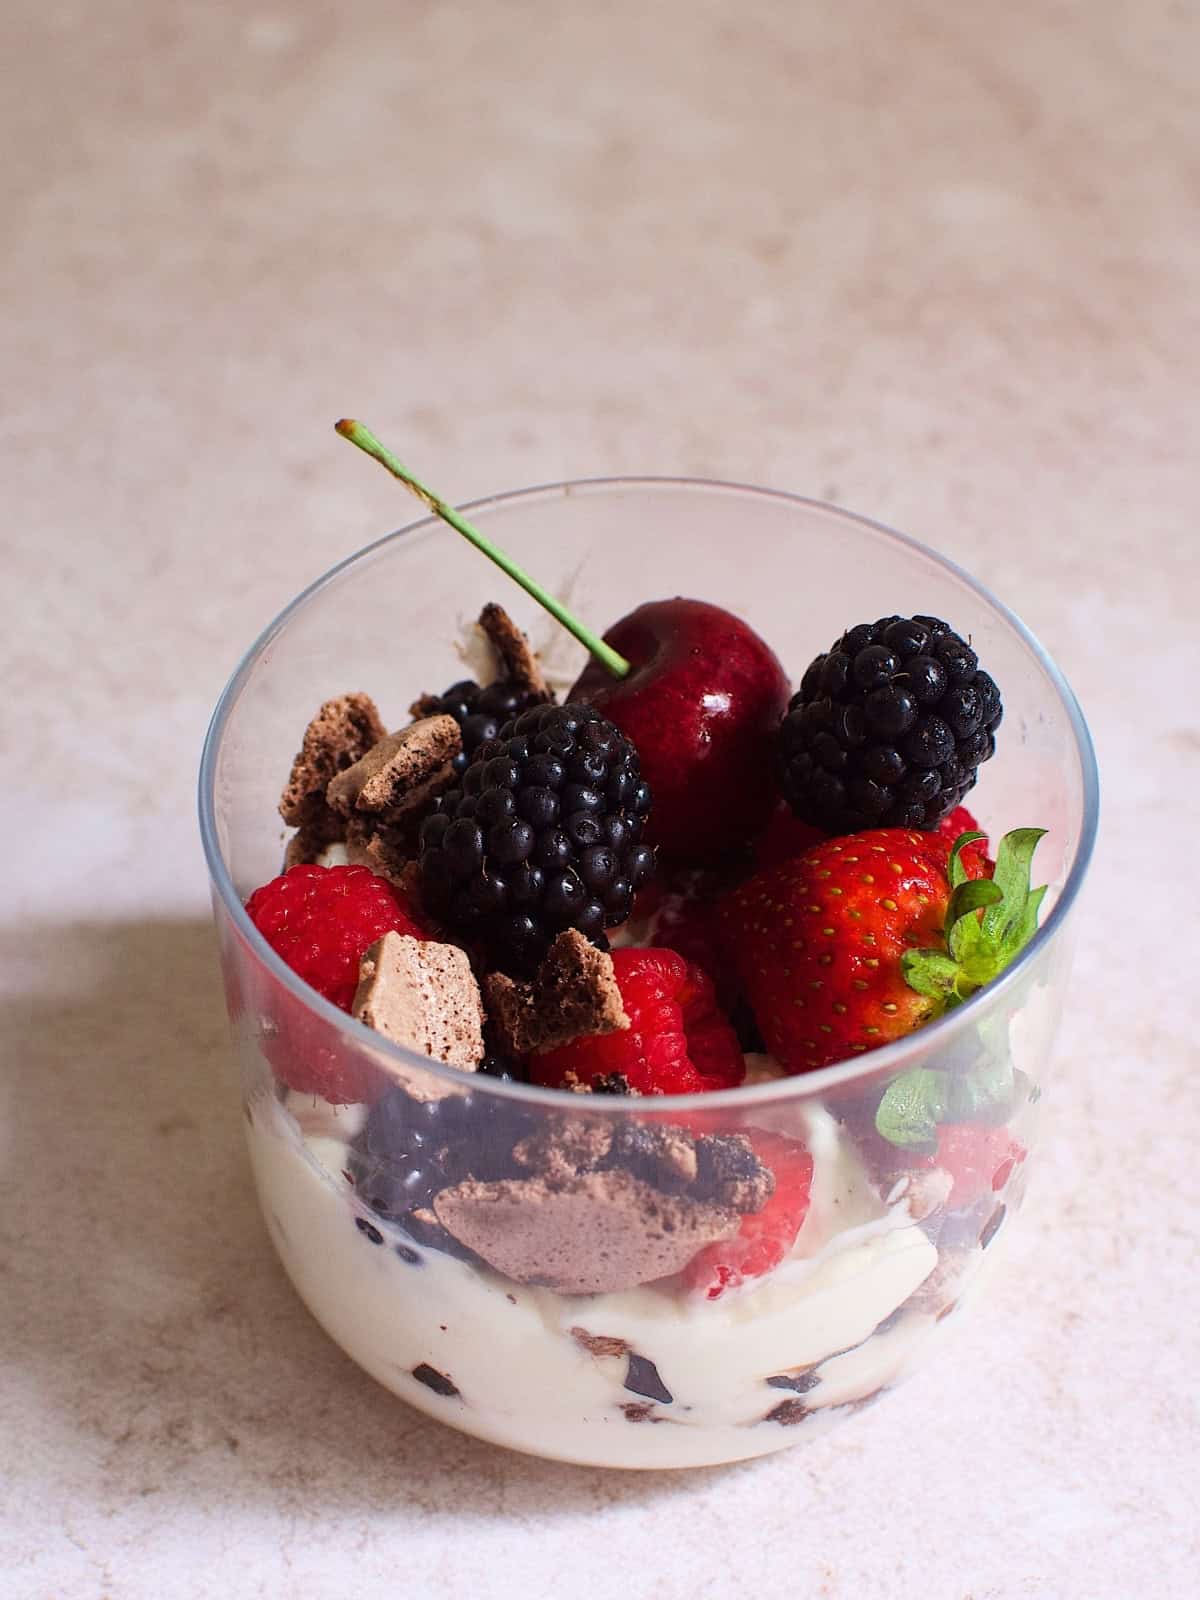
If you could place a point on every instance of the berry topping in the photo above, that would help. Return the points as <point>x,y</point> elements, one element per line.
<point>321,920</point>
<point>544,834</point>
<point>765,1237</point>
<point>677,1041</point>
<point>864,938</point>
<point>889,728</point>
<point>480,712</point>
<point>702,703</point>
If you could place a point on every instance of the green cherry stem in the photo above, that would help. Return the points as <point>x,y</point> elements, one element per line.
<point>366,441</point>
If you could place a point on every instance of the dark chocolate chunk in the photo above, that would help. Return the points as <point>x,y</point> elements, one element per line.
<point>435,1380</point>
<point>800,1382</point>
<point>788,1413</point>
<point>642,1378</point>
<point>369,1229</point>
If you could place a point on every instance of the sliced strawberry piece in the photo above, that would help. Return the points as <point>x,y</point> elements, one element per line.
<point>766,1236</point>
<point>678,1041</point>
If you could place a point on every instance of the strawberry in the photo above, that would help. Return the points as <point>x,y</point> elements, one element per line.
<point>678,1040</point>
<point>321,921</point>
<point>765,1236</point>
<point>865,937</point>
<point>785,837</point>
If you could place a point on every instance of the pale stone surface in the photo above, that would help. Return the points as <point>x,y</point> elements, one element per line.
<point>937,262</point>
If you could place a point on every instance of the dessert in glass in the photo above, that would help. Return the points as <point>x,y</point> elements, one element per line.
<point>638,1071</point>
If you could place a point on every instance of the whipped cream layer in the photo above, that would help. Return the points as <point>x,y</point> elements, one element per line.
<point>649,1377</point>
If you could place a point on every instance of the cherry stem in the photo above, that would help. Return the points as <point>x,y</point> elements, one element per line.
<point>366,441</point>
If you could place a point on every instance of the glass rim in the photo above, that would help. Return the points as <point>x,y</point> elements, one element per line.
<point>796,1087</point>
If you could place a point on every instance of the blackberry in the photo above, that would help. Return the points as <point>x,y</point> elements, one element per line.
<point>888,729</point>
<point>480,712</point>
<point>545,833</point>
<point>409,1150</point>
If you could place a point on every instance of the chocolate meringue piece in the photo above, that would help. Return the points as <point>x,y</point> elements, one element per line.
<point>597,1233</point>
<point>422,995</point>
<point>402,774</point>
<point>340,734</point>
<point>573,994</point>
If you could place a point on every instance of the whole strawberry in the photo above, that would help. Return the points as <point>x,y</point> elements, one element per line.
<point>866,937</point>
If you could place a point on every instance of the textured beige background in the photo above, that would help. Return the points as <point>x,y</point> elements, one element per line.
<point>936,261</point>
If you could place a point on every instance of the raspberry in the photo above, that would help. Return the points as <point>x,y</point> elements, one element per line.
<point>889,728</point>
<point>765,1236</point>
<point>321,920</point>
<point>678,1040</point>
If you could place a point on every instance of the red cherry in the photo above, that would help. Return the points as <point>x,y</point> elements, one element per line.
<point>701,704</point>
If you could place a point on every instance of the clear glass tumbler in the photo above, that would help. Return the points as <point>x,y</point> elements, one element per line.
<point>576,1362</point>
